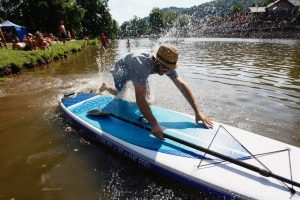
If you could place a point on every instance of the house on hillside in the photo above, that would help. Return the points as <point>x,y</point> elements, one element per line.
<point>295,2</point>
<point>279,9</point>
<point>282,9</point>
<point>257,8</point>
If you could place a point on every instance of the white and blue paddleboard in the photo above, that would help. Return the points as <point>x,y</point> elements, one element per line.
<point>179,160</point>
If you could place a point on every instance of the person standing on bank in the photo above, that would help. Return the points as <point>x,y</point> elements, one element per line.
<point>128,45</point>
<point>62,31</point>
<point>2,39</point>
<point>137,66</point>
<point>103,39</point>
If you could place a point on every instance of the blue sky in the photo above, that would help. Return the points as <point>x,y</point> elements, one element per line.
<point>124,10</point>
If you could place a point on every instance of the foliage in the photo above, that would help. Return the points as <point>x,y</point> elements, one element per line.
<point>156,20</point>
<point>3,79</point>
<point>170,18</point>
<point>182,26</point>
<point>135,27</point>
<point>84,17</point>
<point>125,29</point>
<point>236,8</point>
<point>297,18</point>
<point>217,8</point>
<point>35,14</point>
<point>115,30</point>
<point>97,19</point>
<point>267,1</point>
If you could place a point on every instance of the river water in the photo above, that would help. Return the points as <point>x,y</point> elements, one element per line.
<point>246,83</point>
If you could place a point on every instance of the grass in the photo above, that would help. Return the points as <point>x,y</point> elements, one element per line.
<point>20,57</point>
<point>3,79</point>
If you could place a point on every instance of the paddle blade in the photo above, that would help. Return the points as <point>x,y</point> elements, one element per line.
<point>96,112</point>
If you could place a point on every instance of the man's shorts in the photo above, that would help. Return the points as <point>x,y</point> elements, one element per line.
<point>120,77</point>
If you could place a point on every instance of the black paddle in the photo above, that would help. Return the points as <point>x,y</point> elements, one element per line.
<point>262,172</point>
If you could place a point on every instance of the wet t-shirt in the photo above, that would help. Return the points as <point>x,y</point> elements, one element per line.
<point>136,67</point>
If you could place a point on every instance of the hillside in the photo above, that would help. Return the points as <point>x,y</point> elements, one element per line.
<point>221,18</point>
<point>213,8</point>
<point>178,10</point>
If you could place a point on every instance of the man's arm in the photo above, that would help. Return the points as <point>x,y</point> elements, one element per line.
<point>187,93</point>
<point>140,94</point>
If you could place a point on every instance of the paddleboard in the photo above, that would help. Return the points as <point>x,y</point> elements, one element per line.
<point>203,171</point>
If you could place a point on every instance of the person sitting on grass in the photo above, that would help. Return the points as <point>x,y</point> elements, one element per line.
<point>41,42</point>
<point>30,42</point>
<point>16,44</point>
<point>52,39</point>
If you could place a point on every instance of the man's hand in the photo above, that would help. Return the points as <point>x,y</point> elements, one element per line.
<point>187,93</point>
<point>157,131</point>
<point>208,123</point>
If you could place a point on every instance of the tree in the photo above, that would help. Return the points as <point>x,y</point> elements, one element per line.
<point>10,9</point>
<point>170,18</point>
<point>138,26</point>
<point>236,8</point>
<point>115,32</point>
<point>268,1</point>
<point>134,27</point>
<point>73,18</point>
<point>125,29</point>
<point>297,18</point>
<point>97,19</point>
<point>89,17</point>
<point>156,20</point>
<point>35,14</point>
<point>182,25</point>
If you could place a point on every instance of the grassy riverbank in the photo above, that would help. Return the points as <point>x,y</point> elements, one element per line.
<point>13,61</point>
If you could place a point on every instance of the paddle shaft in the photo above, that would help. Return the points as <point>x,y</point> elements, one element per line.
<point>262,172</point>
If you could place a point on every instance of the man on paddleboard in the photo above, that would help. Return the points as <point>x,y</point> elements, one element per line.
<point>137,66</point>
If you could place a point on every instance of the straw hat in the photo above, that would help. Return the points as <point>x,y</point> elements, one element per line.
<point>167,55</point>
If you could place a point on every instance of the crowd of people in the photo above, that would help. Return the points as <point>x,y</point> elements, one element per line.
<point>34,42</point>
<point>42,41</point>
<point>37,40</point>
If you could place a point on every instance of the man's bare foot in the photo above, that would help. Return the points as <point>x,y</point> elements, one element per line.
<point>103,87</point>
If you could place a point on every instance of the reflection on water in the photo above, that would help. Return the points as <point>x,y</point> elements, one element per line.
<point>250,84</point>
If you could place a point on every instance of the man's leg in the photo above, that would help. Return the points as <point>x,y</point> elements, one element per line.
<point>119,81</point>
